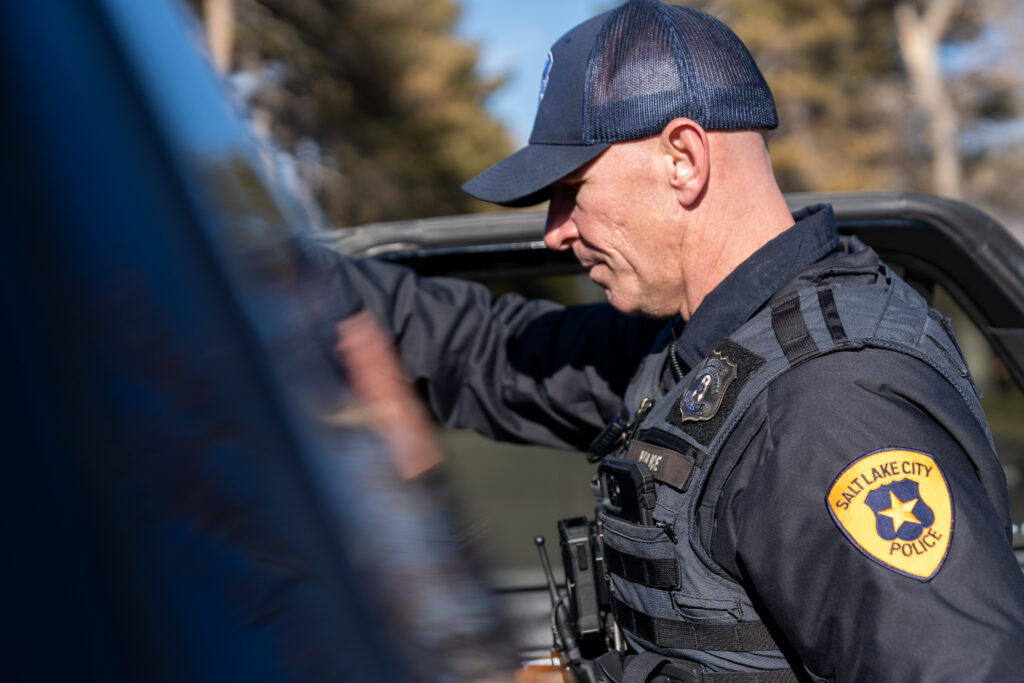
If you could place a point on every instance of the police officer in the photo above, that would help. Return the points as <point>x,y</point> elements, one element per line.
<point>829,502</point>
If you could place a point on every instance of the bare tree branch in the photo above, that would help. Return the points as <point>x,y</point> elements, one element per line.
<point>919,35</point>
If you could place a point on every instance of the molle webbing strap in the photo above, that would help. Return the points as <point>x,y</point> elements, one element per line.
<point>747,636</point>
<point>639,669</point>
<point>778,676</point>
<point>662,574</point>
<point>827,301</point>
<point>791,329</point>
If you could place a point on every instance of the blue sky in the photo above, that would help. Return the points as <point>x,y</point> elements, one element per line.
<point>514,38</point>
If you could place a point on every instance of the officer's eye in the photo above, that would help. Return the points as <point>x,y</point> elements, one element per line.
<point>568,189</point>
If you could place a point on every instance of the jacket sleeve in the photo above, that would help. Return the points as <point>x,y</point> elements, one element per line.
<point>512,369</point>
<point>849,608</point>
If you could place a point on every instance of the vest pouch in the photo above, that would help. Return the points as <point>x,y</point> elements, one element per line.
<point>643,565</point>
<point>705,609</point>
<point>647,574</point>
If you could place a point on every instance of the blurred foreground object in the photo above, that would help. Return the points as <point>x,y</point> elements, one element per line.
<point>219,16</point>
<point>172,513</point>
<point>426,581</point>
<point>373,368</point>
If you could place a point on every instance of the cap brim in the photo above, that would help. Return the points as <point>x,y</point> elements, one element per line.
<point>525,178</point>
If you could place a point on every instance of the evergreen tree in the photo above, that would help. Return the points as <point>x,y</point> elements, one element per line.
<point>377,97</point>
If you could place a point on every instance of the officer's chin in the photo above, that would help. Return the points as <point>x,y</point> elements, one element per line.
<point>631,307</point>
<point>636,306</point>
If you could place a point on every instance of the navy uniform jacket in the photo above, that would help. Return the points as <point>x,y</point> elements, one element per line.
<point>533,371</point>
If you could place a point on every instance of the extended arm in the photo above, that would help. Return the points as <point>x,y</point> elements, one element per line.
<point>518,370</point>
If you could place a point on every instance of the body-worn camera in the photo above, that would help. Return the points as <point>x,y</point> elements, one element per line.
<point>627,490</point>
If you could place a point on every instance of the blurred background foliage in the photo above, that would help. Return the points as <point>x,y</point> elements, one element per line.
<point>378,101</point>
<point>384,110</point>
<point>922,95</point>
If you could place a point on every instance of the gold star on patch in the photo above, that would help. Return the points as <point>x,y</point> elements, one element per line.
<point>900,512</point>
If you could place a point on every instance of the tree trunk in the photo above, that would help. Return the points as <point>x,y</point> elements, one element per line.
<point>919,34</point>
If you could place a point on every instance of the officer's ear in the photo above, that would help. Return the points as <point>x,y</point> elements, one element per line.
<point>687,156</point>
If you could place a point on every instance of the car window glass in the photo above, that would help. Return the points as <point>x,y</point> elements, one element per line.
<point>1002,400</point>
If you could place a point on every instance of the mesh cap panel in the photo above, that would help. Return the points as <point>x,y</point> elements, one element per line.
<point>653,62</point>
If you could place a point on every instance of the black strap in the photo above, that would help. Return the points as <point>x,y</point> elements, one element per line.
<point>662,574</point>
<point>776,676</point>
<point>791,329</point>
<point>827,301</point>
<point>640,667</point>
<point>747,636</point>
<point>650,667</point>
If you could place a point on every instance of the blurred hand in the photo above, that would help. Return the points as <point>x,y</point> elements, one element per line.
<point>395,411</point>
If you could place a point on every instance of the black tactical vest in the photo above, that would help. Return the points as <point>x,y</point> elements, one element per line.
<point>668,594</point>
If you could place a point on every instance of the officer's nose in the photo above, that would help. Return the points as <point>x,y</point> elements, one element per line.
<point>560,230</point>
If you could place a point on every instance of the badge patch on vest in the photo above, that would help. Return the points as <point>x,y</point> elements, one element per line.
<point>704,397</point>
<point>711,394</point>
<point>895,507</point>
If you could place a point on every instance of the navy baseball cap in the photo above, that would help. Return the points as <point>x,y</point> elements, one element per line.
<point>623,75</point>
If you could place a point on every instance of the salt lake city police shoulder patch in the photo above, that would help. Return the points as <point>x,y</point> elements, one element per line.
<point>895,507</point>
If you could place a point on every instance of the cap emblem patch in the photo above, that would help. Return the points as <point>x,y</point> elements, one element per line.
<point>895,507</point>
<point>544,76</point>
